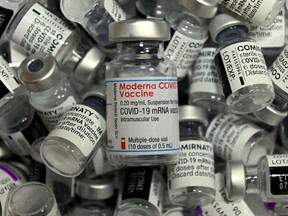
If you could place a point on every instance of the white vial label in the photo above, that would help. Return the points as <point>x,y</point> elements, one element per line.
<point>183,51</point>
<point>205,77</point>
<point>243,65</point>
<point>114,9</point>
<point>8,79</point>
<point>195,166</point>
<point>272,36</point>
<point>41,31</point>
<point>222,206</point>
<point>50,117</point>
<point>230,133</point>
<point>278,174</point>
<point>142,115</point>
<point>145,184</point>
<point>82,126</point>
<point>8,181</point>
<point>255,11</point>
<point>279,70</point>
<point>17,143</point>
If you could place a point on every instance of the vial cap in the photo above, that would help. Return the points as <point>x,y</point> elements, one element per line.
<point>39,72</point>
<point>94,189</point>
<point>202,8</point>
<point>139,29</point>
<point>235,180</point>
<point>193,113</point>
<point>87,67</point>
<point>223,21</point>
<point>97,90</point>
<point>271,116</point>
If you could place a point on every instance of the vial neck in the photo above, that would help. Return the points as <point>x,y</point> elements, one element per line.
<point>97,104</point>
<point>251,180</point>
<point>191,130</point>
<point>140,49</point>
<point>232,33</point>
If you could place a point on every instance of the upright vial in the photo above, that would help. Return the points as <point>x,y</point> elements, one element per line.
<point>191,32</point>
<point>241,65</point>
<point>206,88</point>
<point>192,188</point>
<point>31,198</point>
<point>142,101</point>
<point>49,90</point>
<point>141,193</point>
<point>257,12</point>
<point>94,16</point>
<point>268,179</point>
<point>36,29</point>
<point>235,138</point>
<point>77,136</point>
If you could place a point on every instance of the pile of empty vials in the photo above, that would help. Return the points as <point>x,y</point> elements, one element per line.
<point>143,108</point>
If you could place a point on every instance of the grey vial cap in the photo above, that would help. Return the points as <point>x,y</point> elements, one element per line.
<point>139,29</point>
<point>87,67</point>
<point>202,8</point>
<point>235,180</point>
<point>271,116</point>
<point>94,189</point>
<point>223,21</point>
<point>39,72</point>
<point>193,113</point>
<point>97,90</point>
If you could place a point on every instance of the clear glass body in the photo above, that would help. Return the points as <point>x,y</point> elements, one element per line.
<point>55,148</point>
<point>157,9</point>
<point>140,59</point>
<point>32,198</point>
<point>249,98</point>
<point>54,98</point>
<point>91,208</point>
<point>266,14</point>
<point>72,50</point>
<point>180,211</point>
<point>92,15</point>
<point>196,32</point>
<point>207,94</point>
<point>283,132</point>
<point>194,195</point>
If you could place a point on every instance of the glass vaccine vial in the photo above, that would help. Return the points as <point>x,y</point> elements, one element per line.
<point>191,182</point>
<point>141,192</point>
<point>235,138</point>
<point>94,16</point>
<point>190,34</point>
<point>36,29</point>
<point>241,66</point>
<point>31,198</point>
<point>142,101</point>
<point>78,135</point>
<point>257,12</point>
<point>268,179</point>
<point>48,88</point>
<point>206,88</point>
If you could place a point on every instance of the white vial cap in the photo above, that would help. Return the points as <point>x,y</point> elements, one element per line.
<point>39,72</point>
<point>202,8</point>
<point>193,113</point>
<point>139,29</point>
<point>235,180</point>
<point>223,21</point>
<point>94,189</point>
<point>271,116</point>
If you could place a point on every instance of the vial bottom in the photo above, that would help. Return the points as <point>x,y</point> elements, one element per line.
<point>209,101</point>
<point>192,196</point>
<point>143,160</point>
<point>135,207</point>
<point>62,157</point>
<point>250,99</point>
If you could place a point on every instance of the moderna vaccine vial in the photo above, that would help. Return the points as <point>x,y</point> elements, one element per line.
<point>142,100</point>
